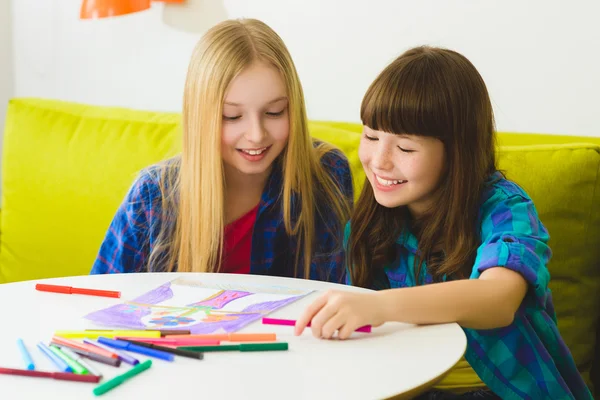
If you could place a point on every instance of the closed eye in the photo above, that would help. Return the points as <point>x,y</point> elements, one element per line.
<point>276,114</point>
<point>405,150</point>
<point>371,138</point>
<point>226,118</point>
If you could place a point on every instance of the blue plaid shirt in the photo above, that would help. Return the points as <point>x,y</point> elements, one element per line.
<point>527,359</point>
<point>135,227</point>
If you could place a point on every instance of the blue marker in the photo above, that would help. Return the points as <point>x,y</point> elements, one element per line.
<point>121,344</point>
<point>25,354</point>
<point>60,364</point>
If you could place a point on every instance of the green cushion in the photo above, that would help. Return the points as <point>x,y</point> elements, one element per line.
<point>347,141</point>
<point>563,181</point>
<point>66,168</point>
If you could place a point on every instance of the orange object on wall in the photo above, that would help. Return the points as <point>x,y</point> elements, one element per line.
<point>111,8</point>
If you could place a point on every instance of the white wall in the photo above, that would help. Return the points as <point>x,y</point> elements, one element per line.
<point>539,58</point>
<point>6,63</point>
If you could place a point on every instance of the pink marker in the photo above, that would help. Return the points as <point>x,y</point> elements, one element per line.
<point>181,341</point>
<point>291,322</point>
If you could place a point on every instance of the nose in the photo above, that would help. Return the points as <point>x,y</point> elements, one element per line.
<point>382,158</point>
<point>256,131</point>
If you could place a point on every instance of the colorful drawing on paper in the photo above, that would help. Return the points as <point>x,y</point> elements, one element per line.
<point>200,307</point>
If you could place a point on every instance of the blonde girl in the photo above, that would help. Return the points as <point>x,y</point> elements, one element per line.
<point>251,191</point>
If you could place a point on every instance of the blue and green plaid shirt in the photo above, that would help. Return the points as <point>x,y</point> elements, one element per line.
<point>527,359</point>
<point>134,229</point>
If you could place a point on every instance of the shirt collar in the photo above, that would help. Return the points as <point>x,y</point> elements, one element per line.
<point>408,240</point>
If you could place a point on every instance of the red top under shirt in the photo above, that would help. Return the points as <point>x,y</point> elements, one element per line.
<point>237,244</point>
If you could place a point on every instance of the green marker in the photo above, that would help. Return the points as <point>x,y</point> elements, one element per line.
<point>240,347</point>
<point>263,346</point>
<point>116,381</point>
<point>75,366</point>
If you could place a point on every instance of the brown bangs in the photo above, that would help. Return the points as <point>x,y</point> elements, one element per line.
<point>408,98</point>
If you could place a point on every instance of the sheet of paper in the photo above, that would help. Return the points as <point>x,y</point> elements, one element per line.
<point>200,307</point>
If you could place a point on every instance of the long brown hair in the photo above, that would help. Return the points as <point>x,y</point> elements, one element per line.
<point>192,185</point>
<point>438,93</point>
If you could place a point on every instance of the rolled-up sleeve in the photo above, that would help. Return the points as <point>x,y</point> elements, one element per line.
<point>514,237</point>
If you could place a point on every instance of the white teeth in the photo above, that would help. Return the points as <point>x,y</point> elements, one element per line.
<point>385,182</point>
<point>254,152</point>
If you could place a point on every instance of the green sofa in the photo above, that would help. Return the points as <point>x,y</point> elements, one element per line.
<point>66,168</point>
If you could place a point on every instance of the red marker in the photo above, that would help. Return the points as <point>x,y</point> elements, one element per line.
<point>54,375</point>
<point>71,290</point>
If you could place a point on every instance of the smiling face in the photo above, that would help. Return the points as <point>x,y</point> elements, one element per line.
<point>255,121</point>
<point>403,170</point>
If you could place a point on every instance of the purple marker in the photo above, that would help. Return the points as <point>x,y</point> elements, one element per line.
<point>123,356</point>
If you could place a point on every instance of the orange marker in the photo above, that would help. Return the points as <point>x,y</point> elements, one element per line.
<point>252,337</point>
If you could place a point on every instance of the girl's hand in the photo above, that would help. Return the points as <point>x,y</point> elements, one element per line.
<point>341,311</point>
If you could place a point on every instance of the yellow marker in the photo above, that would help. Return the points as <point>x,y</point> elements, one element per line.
<point>107,334</point>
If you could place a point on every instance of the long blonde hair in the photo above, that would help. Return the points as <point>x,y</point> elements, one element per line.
<point>192,186</point>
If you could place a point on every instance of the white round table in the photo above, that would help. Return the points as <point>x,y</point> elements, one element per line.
<point>394,359</point>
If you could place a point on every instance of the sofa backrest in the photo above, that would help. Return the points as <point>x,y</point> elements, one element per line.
<point>66,168</point>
